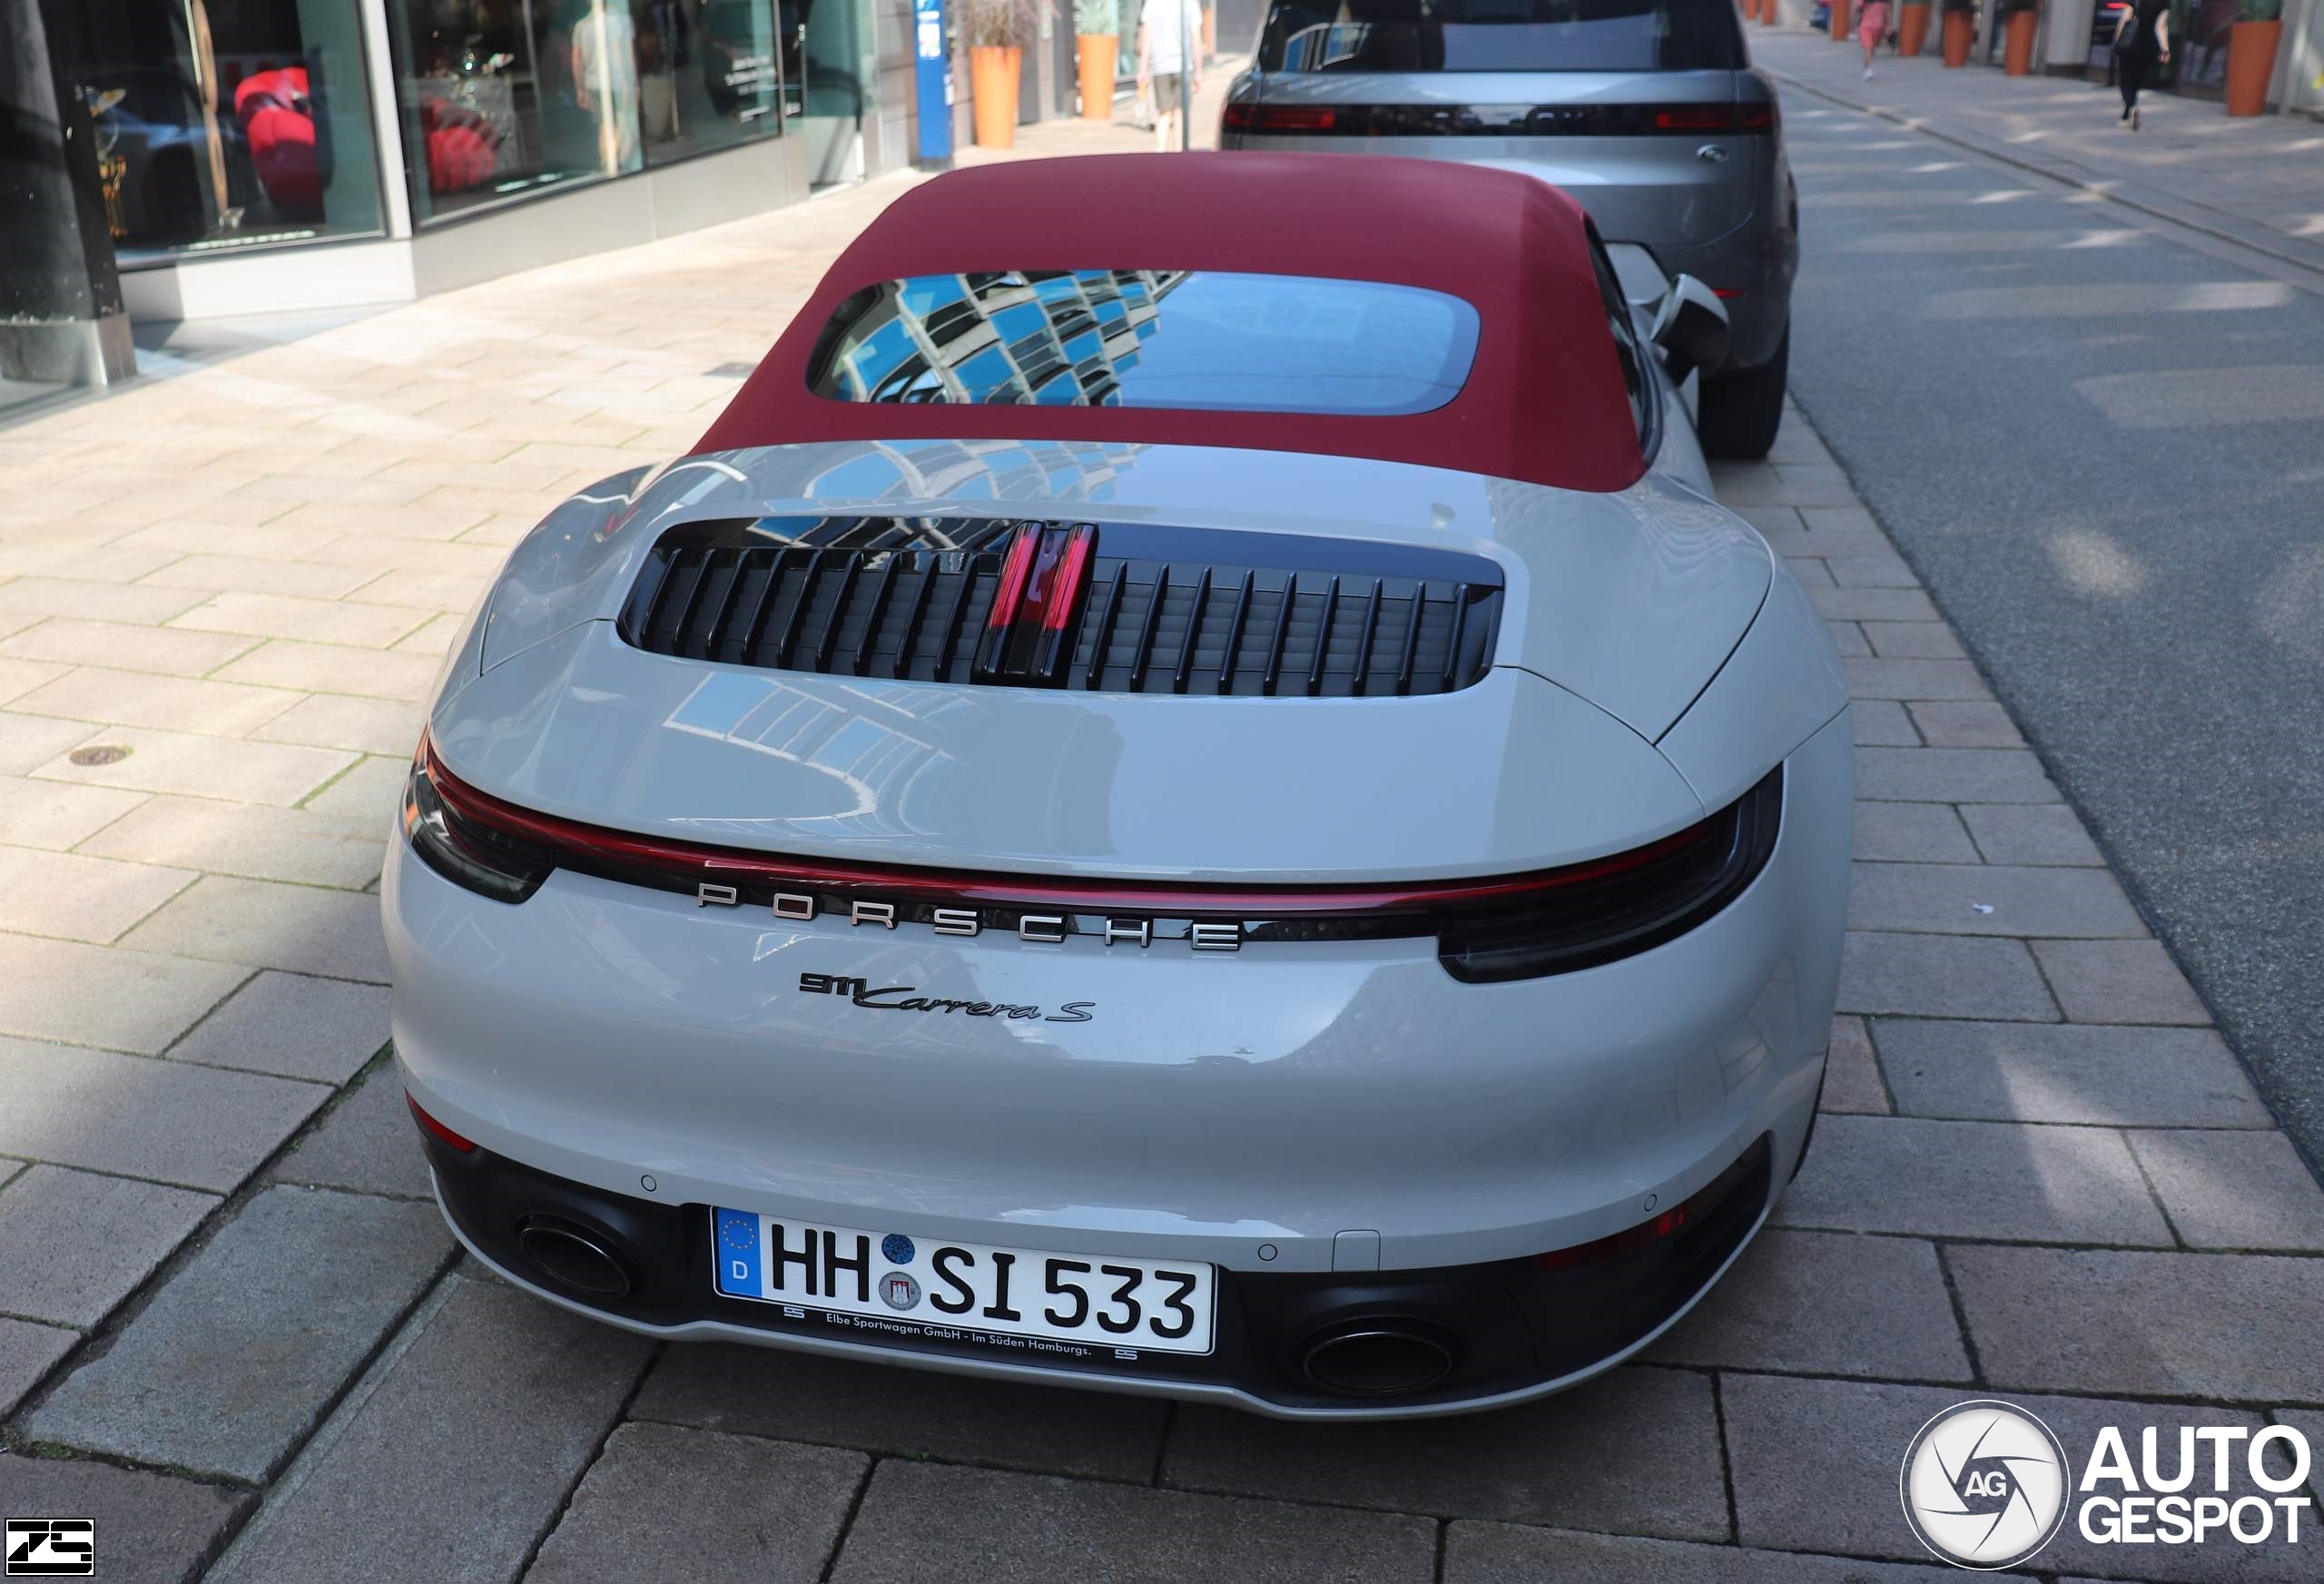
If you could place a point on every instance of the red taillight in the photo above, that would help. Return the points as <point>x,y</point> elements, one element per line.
<point>1280,118</point>
<point>1749,117</point>
<point>1728,294</point>
<point>435,1129</point>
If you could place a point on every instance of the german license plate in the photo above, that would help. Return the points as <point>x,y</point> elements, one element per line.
<point>965,1287</point>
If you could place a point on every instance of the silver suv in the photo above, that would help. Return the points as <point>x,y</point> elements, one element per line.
<point>1649,112</point>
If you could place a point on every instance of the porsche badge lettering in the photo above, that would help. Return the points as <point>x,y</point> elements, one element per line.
<point>1039,929</point>
<point>904,998</point>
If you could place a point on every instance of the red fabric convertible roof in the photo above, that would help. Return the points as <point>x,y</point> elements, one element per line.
<point>1544,401</point>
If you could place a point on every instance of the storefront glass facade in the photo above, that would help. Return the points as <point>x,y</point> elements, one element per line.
<point>224,124</point>
<point>502,98</point>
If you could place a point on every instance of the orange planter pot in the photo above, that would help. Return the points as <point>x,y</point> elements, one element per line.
<point>1209,33</point>
<point>1959,31</point>
<point>1843,12</point>
<point>992,84</point>
<point>2251,61</point>
<point>2017,44</point>
<point>1095,53</point>
<point>1912,29</point>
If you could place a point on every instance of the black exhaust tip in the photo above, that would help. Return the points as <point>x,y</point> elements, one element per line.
<point>1379,1358</point>
<point>573,1257</point>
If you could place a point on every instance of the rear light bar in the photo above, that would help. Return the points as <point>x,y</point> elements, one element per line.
<point>1585,119</point>
<point>1499,928</point>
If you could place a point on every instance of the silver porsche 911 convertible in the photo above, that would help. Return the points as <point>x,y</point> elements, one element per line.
<point>1187,793</point>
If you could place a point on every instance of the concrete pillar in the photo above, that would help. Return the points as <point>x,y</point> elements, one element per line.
<point>61,315</point>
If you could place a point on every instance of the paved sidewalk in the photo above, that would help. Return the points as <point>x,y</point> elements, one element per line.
<point>2257,180</point>
<point>232,1330</point>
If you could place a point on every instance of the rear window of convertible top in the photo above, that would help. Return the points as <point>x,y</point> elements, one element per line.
<point>1206,339</point>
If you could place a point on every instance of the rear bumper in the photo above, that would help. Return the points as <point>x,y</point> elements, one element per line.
<point>1512,1330</point>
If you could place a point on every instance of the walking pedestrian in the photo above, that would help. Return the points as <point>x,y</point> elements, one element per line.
<point>2142,41</point>
<point>1167,31</point>
<point>1871,30</point>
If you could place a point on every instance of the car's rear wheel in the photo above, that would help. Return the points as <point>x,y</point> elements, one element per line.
<point>1740,412</point>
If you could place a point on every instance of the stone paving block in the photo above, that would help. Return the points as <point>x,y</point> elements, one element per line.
<point>1814,1465</point>
<point>135,1116</point>
<point>295,1026</point>
<point>92,601</point>
<point>227,1368</point>
<point>452,1454</point>
<point>22,678</point>
<point>151,1529</point>
<point>2065,1072</point>
<point>73,1244</point>
<point>125,646</point>
<point>1501,1553</point>
<point>51,814</point>
<point>1851,641</point>
<point>913,1414</point>
<point>1966,724</point>
<point>1826,1304</point>
<point>2048,833</point>
<point>207,767</point>
<point>1872,572</point>
<point>29,741</point>
<point>1973,1179</point>
<point>140,698</point>
<point>1883,723</point>
<point>311,621</point>
<point>367,725</point>
<point>2118,981</point>
<point>366,795</point>
<point>2220,1189</point>
<point>1943,975</point>
<point>434,638</point>
<point>436,591</point>
<point>1911,833</point>
<point>1915,679</point>
<point>1808,571</point>
<point>695,1507</point>
<point>130,1000</point>
<point>368,1144</point>
<point>299,928</point>
<point>1634,1451</point>
<point>933,1524</point>
<point>1851,1072</point>
<point>255,575</point>
<point>2310,1422</point>
<point>78,898</point>
<point>1874,605</point>
<point>2231,1327</point>
<point>250,840</point>
<point>26,1351</point>
<point>382,672</point>
<point>1913,641</point>
<point>1953,775</point>
<point>1991,899</point>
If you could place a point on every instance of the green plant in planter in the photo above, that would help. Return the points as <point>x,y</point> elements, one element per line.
<point>2014,7</point>
<point>989,23</point>
<point>1954,5</point>
<point>1096,18</point>
<point>2259,10</point>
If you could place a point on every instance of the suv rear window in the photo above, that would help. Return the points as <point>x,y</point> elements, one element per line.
<point>1503,35</point>
<point>1190,339</point>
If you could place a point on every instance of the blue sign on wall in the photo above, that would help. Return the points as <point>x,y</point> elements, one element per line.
<point>932,68</point>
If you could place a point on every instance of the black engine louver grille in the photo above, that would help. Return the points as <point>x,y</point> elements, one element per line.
<point>1157,610</point>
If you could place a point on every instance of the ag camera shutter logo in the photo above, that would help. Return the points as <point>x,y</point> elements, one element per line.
<point>1985,1485</point>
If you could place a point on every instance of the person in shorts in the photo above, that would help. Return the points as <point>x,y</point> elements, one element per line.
<point>1870,29</point>
<point>1168,33</point>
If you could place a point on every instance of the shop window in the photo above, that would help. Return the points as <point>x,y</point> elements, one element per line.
<point>222,123</point>
<point>501,98</point>
<point>708,74</point>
